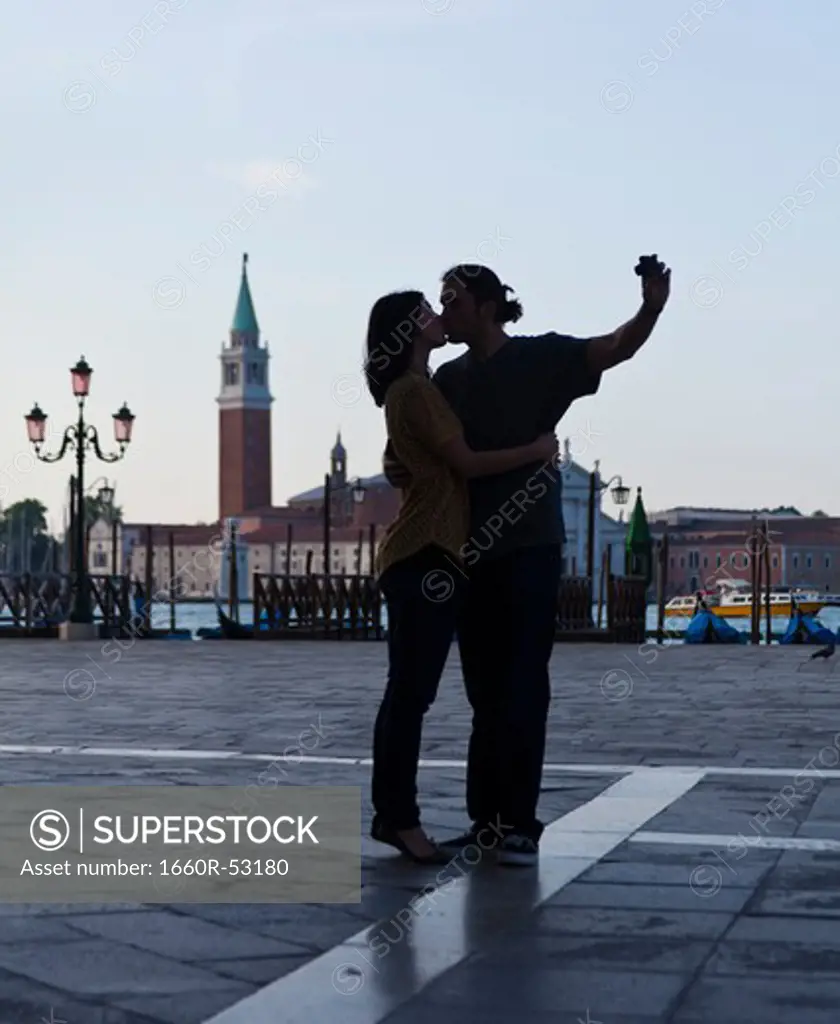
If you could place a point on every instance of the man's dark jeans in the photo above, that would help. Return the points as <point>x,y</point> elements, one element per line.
<point>506,636</point>
<point>423,594</point>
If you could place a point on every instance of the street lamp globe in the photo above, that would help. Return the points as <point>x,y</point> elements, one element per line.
<point>620,493</point>
<point>105,495</point>
<point>80,375</point>
<point>36,425</point>
<point>123,425</point>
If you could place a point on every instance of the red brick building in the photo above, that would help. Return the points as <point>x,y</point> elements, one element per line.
<point>804,550</point>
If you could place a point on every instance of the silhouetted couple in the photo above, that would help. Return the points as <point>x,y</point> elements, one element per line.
<point>476,545</point>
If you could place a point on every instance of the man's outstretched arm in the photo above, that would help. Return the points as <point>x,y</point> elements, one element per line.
<point>611,349</point>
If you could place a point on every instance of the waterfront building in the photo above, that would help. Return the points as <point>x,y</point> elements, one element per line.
<point>706,545</point>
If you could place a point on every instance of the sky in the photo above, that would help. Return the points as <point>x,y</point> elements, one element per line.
<point>556,142</point>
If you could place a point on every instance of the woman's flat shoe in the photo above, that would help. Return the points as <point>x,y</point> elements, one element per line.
<point>389,836</point>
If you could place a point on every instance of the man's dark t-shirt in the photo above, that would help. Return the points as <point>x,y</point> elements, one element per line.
<point>520,392</point>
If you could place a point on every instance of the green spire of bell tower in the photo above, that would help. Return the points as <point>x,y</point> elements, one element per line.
<point>639,544</point>
<point>245,319</point>
<point>638,532</point>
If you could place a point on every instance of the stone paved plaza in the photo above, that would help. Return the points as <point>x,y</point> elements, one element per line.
<point>688,874</point>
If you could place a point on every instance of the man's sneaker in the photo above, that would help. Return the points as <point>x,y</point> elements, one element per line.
<point>518,851</point>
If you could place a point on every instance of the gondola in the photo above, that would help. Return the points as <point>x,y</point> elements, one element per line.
<point>232,630</point>
<point>805,628</point>
<point>706,628</point>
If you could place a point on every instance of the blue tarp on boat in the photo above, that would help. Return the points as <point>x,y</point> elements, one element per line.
<point>706,628</point>
<point>804,628</point>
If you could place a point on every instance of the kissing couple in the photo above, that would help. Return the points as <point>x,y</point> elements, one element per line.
<point>470,445</point>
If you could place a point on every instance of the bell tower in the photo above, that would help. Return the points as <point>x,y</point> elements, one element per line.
<point>338,463</point>
<point>244,413</point>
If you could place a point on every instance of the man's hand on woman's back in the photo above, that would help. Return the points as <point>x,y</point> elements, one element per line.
<point>395,472</point>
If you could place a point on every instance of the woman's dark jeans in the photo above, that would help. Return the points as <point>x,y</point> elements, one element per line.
<point>423,594</point>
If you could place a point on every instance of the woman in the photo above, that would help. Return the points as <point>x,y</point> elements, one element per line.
<point>419,561</point>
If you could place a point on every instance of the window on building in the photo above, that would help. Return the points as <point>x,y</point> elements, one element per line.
<point>718,561</point>
<point>682,561</point>
<point>808,561</point>
<point>256,373</point>
<point>705,561</point>
<point>231,374</point>
<point>828,561</point>
<point>775,561</point>
<point>796,561</point>
<point>100,559</point>
<point>672,561</point>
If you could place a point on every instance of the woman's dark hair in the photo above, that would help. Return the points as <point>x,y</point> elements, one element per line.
<point>485,286</point>
<point>394,323</point>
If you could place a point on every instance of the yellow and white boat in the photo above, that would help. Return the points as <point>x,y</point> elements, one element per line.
<point>737,603</point>
<point>734,598</point>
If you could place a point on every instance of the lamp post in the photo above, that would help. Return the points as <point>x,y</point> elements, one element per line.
<point>104,500</point>
<point>105,496</point>
<point>82,437</point>
<point>358,491</point>
<point>620,494</point>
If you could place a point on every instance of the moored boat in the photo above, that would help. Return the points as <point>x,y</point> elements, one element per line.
<point>734,600</point>
<point>231,629</point>
<point>708,628</point>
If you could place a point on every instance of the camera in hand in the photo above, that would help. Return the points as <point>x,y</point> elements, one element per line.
<point>649,266</point>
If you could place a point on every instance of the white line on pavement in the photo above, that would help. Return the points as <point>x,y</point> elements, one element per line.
<point>575,768</point>
<point>366,978</point>
<point>725,842</point>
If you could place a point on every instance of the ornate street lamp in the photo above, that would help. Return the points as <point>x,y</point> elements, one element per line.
<point>359,492</point>
<point>105,497</point>
<point>82,438</point>
<point>620,493</point>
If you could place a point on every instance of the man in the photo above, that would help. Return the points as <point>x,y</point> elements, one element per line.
<point>506,391</point>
